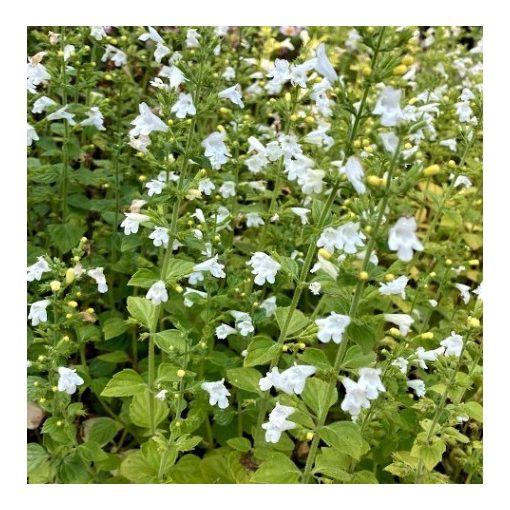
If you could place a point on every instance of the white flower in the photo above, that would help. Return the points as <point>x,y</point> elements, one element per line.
<point>451,143</point>
<point>464,111</point>
<point>302,212</point>
<point>118,57</point>
<point>461,180</point>
<point>388,106</point>
<point>332,327</point>
<point>278,423</point>
<point>346,237</point>
<point>184,106</point>
<point>390,141</point>
<point>369,378</point>
<point>229,74</point>
<point>418,386</point>
<point>95,118</point>
<point>215,149</point>
<point>291,381</point>
<point>195,277</point>
<point>36,73</point>
<point>98,275</point>
<point>175,76</point>
<point>192,38</point>
<point>98,33</point>
<point>132,221</point>
<point>41,104</point>
<point>189,302</point>
<point>401,364</point>
<point>151,35</point>
<point>224,330</point>
<point>355,398</point>
<point>464,292</point>
<point>453,345</point>
<point>325,265</point>
<point>212,266</point>
<point>397,286</point>
<point>206,186</point>
<point>402,239</point>
<point>161,395</point>
<point>35,271</point>
<point>69,50</point>
<point>141,143</point>
<point>68,380</point>
<point>155,187</point>
<point>62,113</point>
<point>354,173</point>
<point>38,312</point>
<point>315,288</point>
<point>253,219</point>
<point>32,135</point>
<point>319,136</point>
<point>298,73</point>
<point>433,303</point>
<point>479,291</point>
<point>157,294</point>
<point>160,52</point>
<point>243,322</point>
<point>311,181</point>
<point>323,65</point>
<point>431,355</point>
<point>146,122</point>
<point>159,236</point>
<point>228,189</point>
<point>233,94</point>
<point>280,74</point>
<point>218,393</point>
<point>264,267</point>
<point>269,306</point>
<point>402,320</point>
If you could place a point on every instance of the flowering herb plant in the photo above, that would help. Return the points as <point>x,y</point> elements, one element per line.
<point>254,255</point>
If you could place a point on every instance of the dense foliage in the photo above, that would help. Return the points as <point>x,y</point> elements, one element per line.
<point>254,255</point>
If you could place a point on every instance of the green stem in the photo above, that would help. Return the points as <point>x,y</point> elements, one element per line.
<point>340,355</point>
<point>65,152</point>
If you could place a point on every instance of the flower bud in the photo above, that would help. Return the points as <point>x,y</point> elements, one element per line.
<point>55,286</point>
<point>356,144</point>
<point>309,120</point>
<point>394,332</point>
<point>70,275</point>
<point>309,436</point>
<point>72,304</point>
<point>324,253</point>
<point>178,289</point>
<point>452,163</point>
<point>90,310</point>
<point>400,70</point>
<point>366,71</point>
<point>431,170</point>
<point>474,262</point>
<point>473,322</point>
<point>363,276</point>
<point>428,335</point>
<point>181,373</point>
<point>389,277</point>
<point>407,60</point>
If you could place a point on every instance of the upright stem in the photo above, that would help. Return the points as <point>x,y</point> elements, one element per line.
<point>340,355</point>
<point>65,152</point>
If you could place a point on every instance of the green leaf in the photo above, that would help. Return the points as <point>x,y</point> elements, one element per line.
<point>102,430</point>
<point>72,469</point>
<point>241,444</point>
<point>144,278</point>
<point>186,443</point>
<point>170,341</point>
<point>36,456</point>
<point>475,410</point>
<point>344,436</point>
<point>356,358</point>
<point>430,454</point>
<point>139,409</point>
<point>178,268</point>
<point>114,357</point>
<point>65,236</point>
<point>363,477</point>
<point>280,469</point>
<point>114,327</point>
<point>245,378</point>
<point>315,357</point>
<point>362,334</point>
<point>315,396</point>
<point>333,465</point>
<point>142,310</point>
<point>298,320</point>
<point>261,350</point>
<point>136,468</point>
<point>91,451</point>
<point>289,266</point>
<point>124,384</point>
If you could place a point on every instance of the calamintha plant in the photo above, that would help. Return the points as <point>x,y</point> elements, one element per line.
<point>254,254</point>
